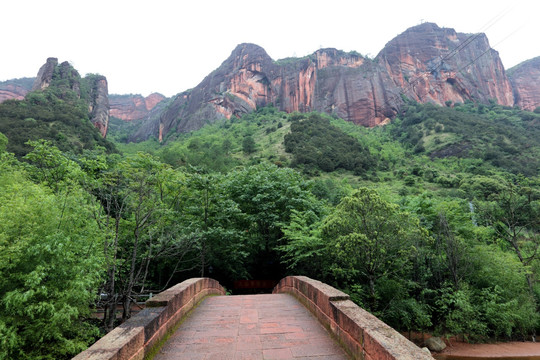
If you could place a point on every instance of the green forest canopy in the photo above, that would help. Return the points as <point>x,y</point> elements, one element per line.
<point>452,224</point>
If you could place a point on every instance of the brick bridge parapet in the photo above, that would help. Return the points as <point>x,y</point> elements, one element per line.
<point>135,338</point>
<point>363,335</point>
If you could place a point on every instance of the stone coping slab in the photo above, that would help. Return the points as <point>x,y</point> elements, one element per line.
<point>137,336</point>
<point>363,335</point>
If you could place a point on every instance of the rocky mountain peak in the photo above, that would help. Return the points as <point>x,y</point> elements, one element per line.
<point>247,53</point>
<point>45,74</point>
<point>426,63</point>
<point>433,64</point>
<point>64,77</point>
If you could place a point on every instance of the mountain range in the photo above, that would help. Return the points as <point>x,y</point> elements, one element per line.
<point>425,63</point>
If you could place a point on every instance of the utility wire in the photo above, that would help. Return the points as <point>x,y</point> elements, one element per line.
<point>490,48</point>
<point>473,37</point>
<point>456,50</point>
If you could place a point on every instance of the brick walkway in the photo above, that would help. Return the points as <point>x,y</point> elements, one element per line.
<point>251,327</point>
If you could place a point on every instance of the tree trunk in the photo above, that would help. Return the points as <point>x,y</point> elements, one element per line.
<point>110,311</point>
<point>372,292</point>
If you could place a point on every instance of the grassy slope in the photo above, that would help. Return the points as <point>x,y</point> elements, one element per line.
<point>496,140</point>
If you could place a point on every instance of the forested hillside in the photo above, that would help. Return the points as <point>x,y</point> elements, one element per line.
<point>457,186</point>
<point>431,223</point>
<point>58,114</point>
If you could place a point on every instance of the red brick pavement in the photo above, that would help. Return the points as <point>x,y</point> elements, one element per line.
<point>251,327</point>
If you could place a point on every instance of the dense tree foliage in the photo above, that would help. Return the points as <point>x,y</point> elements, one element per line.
<point>50,266</point>
<point>371,239</point>
<point>315,143</point>
<point>428,238</point>
<point>504,137</point>
<point>451,211</point>
<point>267,196</point>
<point>56,114</point>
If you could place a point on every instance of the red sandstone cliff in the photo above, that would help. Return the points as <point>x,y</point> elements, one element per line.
<point>98,104</point>
<point>433,64</point>
<point>133,107</point>
<point>328,80</point>
<point>426,63</point>
<point>525,78</point>
<point>15,89</point>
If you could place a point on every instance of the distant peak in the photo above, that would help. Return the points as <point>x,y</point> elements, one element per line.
<point>427,25</point>
<point>52,60</point>
<point>156,94</point>
<point>249,49</point>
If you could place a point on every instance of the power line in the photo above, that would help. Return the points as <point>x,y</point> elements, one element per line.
<point>490,48</point>
<point>454,51</point>
<point>473,37</point>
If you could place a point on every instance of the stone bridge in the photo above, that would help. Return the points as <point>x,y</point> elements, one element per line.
<point>186,322</point>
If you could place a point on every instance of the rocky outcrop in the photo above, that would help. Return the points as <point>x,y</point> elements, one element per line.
<point>328,80</point>
<point>15,89</point>
<point>525,78</point>
<point>68,82</point>
<point>426,63</point>
<point>99,103</point>
<point>365,95</point>
<point>433,64</point>
<point>133,107</point>
<point>152,100</point>
<point>435,344</point>
<point>45,74</point>
<point>63,76</point>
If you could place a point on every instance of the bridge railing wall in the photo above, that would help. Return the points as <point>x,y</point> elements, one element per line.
<point>363,335</point>
<point>137,336</point>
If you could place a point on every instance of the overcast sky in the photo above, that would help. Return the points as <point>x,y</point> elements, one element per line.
<point>169,46</point>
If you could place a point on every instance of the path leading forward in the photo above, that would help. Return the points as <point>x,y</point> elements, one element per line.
<point>250,327</point>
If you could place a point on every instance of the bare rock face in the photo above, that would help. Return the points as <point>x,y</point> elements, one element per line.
<point>426,63</point>
<point>99,103</point>
<point>525,78</point>
<point>45,74</point>
<point>362,93</point>
<point>433,64</point>
<point>328,80</point>
<point>133,107</point>
<point>12,91</point>
<point>152,100</point>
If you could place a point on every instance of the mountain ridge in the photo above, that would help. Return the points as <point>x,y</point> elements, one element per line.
<point>425,63</point>
<point>132,107</point>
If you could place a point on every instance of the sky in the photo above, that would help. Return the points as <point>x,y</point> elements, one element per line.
<point>169,46</point>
